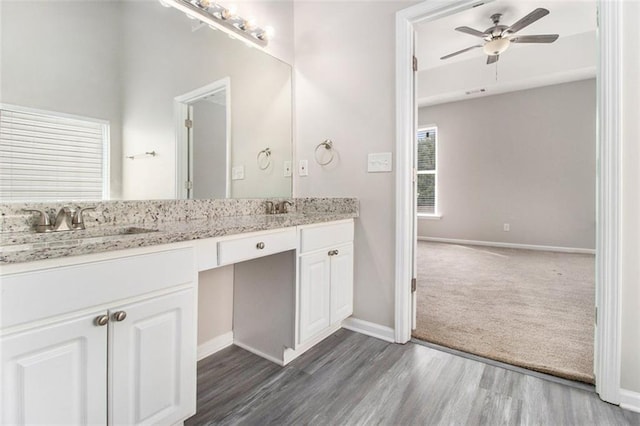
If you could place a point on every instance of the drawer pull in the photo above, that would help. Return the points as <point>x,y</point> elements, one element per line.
<point>102,320</point>
<point>260,245</point>
<point>119,316</point>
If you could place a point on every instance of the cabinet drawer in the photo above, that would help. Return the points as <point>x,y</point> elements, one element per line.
<point>256,245</point>
<point>36,295</point>
<point>325,236</point>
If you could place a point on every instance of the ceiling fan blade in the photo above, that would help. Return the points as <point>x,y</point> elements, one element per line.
<point>527,20</point>
<point>492,59</point>
<point>540,38</point>
<point>460,51</point>
<point>471,31</point>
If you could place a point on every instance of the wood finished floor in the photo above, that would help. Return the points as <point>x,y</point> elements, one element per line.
<point>350,378</point>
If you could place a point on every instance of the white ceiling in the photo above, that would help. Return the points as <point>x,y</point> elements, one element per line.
<point>523,66</point>
<point>438,38</point>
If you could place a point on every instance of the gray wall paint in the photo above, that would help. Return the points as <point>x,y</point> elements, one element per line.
<point>209,150</point>
<point>344,91</point>
<point>53,68</point>
<point>526,158</point>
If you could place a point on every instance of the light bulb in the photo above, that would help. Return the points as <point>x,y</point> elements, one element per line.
<point>269,32</point>
<point>250,23</point>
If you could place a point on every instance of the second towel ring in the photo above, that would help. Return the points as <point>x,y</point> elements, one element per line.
<point>328,145</point>
<point>264,159</point>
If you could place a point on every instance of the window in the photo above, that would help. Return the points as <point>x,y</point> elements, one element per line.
<point>46,156</point>
<point>427,171</point>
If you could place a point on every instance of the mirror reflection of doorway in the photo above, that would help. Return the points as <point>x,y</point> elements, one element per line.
<point>203,140</point>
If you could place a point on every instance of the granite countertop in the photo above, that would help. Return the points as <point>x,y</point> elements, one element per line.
<point>17,247</point>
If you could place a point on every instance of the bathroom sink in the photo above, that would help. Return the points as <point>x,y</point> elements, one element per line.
<point>30,241</point>
<point>132,230</point>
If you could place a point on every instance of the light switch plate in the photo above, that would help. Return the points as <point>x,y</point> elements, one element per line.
<point>303,168</point>
<point>379,162</point>
<point>237,173</point>
<point>287,169</point>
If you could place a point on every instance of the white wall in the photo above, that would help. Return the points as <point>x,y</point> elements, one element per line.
<point>525,158</point>
<point>215,303</point>
<point>46,65</point>
<point>345,91</point>
<point>630,368</point>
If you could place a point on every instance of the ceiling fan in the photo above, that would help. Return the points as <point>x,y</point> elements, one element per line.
<point>499,37</point>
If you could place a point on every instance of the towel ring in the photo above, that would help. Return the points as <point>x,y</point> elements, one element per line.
<point>264,159</point>
<point>328,145</point>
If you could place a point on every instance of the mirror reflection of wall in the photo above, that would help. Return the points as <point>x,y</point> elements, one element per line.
<point>125,62</point>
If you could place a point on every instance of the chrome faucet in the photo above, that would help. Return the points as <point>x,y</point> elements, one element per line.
<point>66,220</point>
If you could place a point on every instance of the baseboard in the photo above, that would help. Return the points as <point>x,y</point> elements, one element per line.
<point>509,245</point>
<point>370,329</point>
<point>214,345</point>
<point>258,352</point>
<point>630,400</point>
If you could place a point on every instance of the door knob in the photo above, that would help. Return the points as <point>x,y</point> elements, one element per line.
<point>119,316</point>
<point>102,320</point>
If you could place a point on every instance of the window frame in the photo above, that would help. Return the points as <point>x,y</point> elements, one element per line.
<point>436,211</point>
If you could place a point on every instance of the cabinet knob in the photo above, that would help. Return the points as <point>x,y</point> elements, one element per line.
<point>333,252</point>
<point>119,316</point>
<point>102,320</point>
<point>260,245</point>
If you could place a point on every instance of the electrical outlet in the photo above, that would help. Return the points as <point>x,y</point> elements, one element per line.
<point>287,169</point>
<point>506,227</point>
<point>303,168</point>
<point>237,173</point>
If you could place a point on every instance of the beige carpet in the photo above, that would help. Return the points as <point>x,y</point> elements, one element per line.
<point>528,308</point>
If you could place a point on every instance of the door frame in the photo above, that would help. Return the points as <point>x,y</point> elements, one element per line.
<point>181,106</point>
<point>607,350</point>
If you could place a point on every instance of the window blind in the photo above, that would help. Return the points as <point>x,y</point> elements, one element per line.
<point>50,156</point>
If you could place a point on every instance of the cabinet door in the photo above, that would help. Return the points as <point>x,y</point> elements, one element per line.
<point>55,374</point>
<point>342,283</point>
<point>152,361</point>
<point>314,295</point>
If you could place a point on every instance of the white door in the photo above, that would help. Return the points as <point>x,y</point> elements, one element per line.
<point>56,374</point>
<point>342,283</point>
<point>315,290</point>
<point>152,360</point>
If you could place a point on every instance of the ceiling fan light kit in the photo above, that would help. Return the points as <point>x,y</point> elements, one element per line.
<point>498,38</point>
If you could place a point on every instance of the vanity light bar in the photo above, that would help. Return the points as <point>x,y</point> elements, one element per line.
<point>219,17</point>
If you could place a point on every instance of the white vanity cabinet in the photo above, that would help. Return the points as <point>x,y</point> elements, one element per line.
<point>325,295</point>
<point>101,342</point>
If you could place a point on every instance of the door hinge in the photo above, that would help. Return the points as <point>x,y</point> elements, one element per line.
<point>188,185</point>
<point>414,285</point>
<point>415,64</point>
<point>188,123</point>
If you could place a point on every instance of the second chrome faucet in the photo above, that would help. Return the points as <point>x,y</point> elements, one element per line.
<point>277,207</point>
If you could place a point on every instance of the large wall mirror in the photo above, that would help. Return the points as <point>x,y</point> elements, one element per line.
<point>132,100</point>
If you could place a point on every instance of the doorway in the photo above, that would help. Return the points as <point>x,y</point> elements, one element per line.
<point>203,142</point>
<point>607,352</point>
